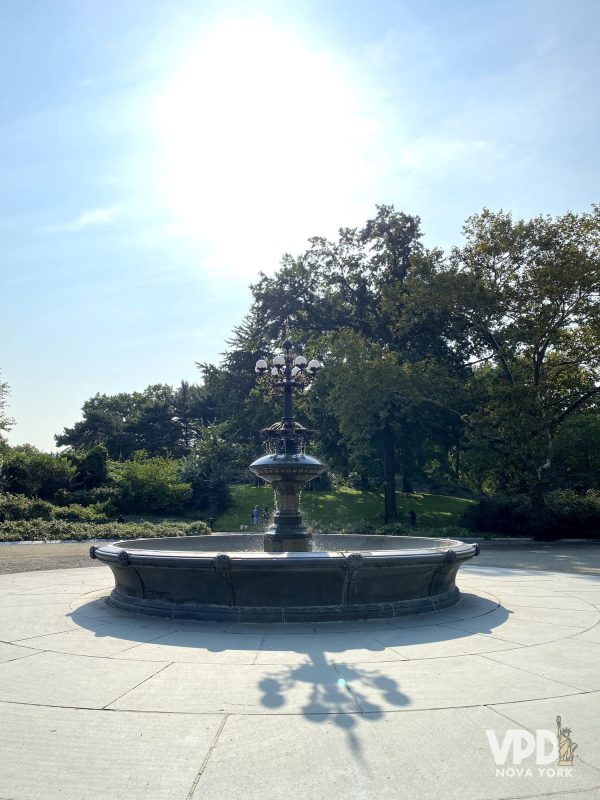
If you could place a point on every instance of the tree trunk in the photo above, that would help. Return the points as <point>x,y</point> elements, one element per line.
<point>541,528</point>
<point>408,461</point>
<point>389,474</point>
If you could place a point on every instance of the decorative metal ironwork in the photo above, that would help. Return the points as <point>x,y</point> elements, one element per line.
<point>289,373</point>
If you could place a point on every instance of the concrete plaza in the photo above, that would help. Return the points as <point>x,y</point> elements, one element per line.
<point>101,704</point>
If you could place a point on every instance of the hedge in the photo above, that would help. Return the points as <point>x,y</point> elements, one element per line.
<point>39,530</point>
<point>568,516</point>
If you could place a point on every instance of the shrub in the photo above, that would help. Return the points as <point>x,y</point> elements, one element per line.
<point>62,530</point>
<point>151,485</point>
<point>17,506</point>
<point>393,529</point>
<point>569,516</point>
<point>35,474</point>
<point>73,513</point>
<point>511,516</point>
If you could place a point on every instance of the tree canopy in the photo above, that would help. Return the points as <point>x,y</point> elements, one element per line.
<point>478,367</point>
<point>161,420</point>
<point>5,421</point>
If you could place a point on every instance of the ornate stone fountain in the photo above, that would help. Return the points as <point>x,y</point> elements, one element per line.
<point>287,467</point>
<point>286,577</point>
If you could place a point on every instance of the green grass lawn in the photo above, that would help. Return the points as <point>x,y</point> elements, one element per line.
<point>345,506</point>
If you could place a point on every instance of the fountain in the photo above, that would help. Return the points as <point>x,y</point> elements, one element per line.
<point>294,577</point>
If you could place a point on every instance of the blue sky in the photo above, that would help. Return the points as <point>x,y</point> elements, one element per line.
<point>156,155</point>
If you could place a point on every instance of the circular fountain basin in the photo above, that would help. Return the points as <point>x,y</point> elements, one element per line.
<point>227,577</point>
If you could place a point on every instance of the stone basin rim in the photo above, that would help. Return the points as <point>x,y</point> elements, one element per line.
<point>168,577</point>
<point>162,549</point>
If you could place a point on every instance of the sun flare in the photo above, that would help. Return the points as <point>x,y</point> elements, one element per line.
<point>257,130</point>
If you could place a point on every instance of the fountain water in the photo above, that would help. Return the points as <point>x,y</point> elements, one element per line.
<point>223,577</point>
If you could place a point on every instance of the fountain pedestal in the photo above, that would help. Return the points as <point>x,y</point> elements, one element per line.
<point>287,473</point>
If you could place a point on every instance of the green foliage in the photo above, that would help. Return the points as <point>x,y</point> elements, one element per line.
<point>481,368</point>
<point>5,422</point>
<point>569,516</point>
<point>30,472</point>
<point>151,485</point>
<point>576,461</point>
<point>62,530</point>
<point>160,420</point>
<point>210,467</point>
<point>102,495</point>
<point>93,467</point>
<point>394,529</point>
<point>523,295</point>
<point>19,507</point>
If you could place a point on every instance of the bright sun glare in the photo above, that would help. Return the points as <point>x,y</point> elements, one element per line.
<point>264,144</point>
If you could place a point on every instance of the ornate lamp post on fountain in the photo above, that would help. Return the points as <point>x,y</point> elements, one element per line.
<point>287,467</point>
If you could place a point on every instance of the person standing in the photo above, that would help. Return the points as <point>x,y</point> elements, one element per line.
<point>255,516</point>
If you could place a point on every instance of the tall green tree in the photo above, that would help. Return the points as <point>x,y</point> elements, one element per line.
<point>210,467</point>
<point>524,297</point>
<point>6,422</point>
<point>364,283</point>
<point>161,420</point>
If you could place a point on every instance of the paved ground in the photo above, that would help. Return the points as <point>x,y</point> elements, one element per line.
<point>30,556</point>
<point>101,704</point>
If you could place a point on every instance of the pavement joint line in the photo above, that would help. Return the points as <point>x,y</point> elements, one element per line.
<point>445,655</point>
<point>206,759</point>
<point>5,641</point>
<point>491,707</point>
<point>560,794</point>
<point>577,631</point>
<point>560,625</point>
<point>20,658</point>
<point>351,693</point>
<point>535,674</point>
<point>593,608</point>
<point>132,688</point>
<point>259,649</point>
<point>139,644</point>
<point>38,636</point>
<point>461,619</point>
<point>360,712</point>
<point>573,635</point>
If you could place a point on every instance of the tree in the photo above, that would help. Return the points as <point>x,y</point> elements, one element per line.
<point>93,467</point>
<point>388,406</point>
<point>210,467</point>
<point>6,423</point>
<point>35,474</point>
<point>524,296</point>
<point>160,420</point>
<point>364,283</point>
<point>576,460</point>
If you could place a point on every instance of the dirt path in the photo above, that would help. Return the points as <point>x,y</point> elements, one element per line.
<point>29,556</point>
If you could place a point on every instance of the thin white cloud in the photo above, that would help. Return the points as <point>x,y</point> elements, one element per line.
<point>97,216</point>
